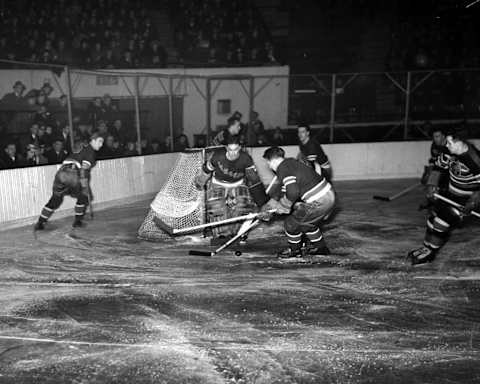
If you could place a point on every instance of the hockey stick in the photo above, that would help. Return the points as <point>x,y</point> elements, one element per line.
<point>397,195</point>
<point>174,231</point>
<point>246,226</point>
<point>89,202</point>
<point>454,204</point>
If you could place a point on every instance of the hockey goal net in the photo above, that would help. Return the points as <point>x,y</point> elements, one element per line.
<point>178,204</point>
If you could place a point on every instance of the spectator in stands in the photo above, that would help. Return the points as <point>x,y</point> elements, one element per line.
<point>117,148</point>
<point>107,151</point>
<point>110,109</point>
<point>278,139</point>
<point>32,137</point>
<point>82,133</point>
<point>130,149</point>
<point>57,153</point>
<point>15,98</point>
<point>146,149</point>
<point>119,132</point>
<point>157,147</point>
<point>10,157</point>
<point>34,156</point>
<point>181,143</point>
<point>65,137</point>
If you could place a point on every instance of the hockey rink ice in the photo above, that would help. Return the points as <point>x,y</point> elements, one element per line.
<point>99,305</point>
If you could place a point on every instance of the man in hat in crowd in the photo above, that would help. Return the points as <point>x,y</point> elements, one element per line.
<point>15,97</point>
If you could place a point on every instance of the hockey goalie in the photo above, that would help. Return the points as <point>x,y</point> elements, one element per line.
<point>200,192</point>
<point>233,188</point>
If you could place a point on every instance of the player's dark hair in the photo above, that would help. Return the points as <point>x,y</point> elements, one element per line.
<point>233,119</point>
<point>437,128</point>
<point>303,125</point>
<point>95,135</point>
<point>273,152</point>
<point>232,139</point>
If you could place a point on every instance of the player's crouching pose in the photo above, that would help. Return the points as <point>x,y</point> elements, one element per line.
<point>463,188</point>
<point>309,200</point>
<point>234,189</point>
<point>73,179</point>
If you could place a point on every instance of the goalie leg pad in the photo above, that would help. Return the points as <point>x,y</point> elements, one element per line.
<point>239,203</point>
<point>217,208</point>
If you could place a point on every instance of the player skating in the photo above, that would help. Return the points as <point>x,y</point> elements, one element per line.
<point>311,152</point>
<point>463,166</point>
<point>72,179</point>
<point>308,200</point>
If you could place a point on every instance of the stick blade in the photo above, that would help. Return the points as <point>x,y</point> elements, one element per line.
<point>194,252</point>
<point>381,198</point>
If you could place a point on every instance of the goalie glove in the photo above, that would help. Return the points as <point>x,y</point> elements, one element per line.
<point>472,203</point>
<point>201,180</point>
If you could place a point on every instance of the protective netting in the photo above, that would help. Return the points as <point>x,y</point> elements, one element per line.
<point>178,204</point>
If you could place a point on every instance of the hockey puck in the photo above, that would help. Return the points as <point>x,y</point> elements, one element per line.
<point>238,253</point>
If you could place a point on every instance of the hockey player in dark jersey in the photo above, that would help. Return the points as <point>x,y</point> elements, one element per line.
<point>234,187</point>
<point>309,199</point>
<point>311,152</point>
<point>438,149</point>
<point>73,179</point>
<point>463,165</point>
<point>234,128</point>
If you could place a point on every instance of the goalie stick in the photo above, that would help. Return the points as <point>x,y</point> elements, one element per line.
<point>397,195</point>
<point>174,231</point>
<point>454,204</point>
<point>246,226</point>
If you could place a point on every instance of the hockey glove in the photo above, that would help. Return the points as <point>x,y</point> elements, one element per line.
<point>431,190</point>
<point>472,203</point>
<point>269,209</point>
<point>201,180</point>
<point>285,205</point>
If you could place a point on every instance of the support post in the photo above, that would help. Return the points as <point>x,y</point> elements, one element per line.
<point>170,112</point>
<point>208,98</point>
<point>69,105</point>
<point>251,103</point>
<point>137,114</point>
<point>333,94</point>
<point>407,105</point>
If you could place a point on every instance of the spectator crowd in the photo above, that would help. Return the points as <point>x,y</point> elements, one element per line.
<point>48,141</point>
<point>87,33</point>
<point>221,32</point>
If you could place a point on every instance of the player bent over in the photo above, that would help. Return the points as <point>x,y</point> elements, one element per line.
<point>309,199</point>
<point>463,188</point>
<point>235,188</point>
<point>72,179</point>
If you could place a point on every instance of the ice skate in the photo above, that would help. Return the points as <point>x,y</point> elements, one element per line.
<point>421,255</point>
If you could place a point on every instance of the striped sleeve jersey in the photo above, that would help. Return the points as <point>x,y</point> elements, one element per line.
<point>301,182</point>
<point>464,172</point>
<point>85,159</point>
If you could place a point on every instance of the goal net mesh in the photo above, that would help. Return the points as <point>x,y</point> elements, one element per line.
<point>178,204</point>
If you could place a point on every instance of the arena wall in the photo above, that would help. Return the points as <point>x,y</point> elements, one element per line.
<point>24,191</point>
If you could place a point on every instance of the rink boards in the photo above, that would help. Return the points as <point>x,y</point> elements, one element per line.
<point>24,191</point>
